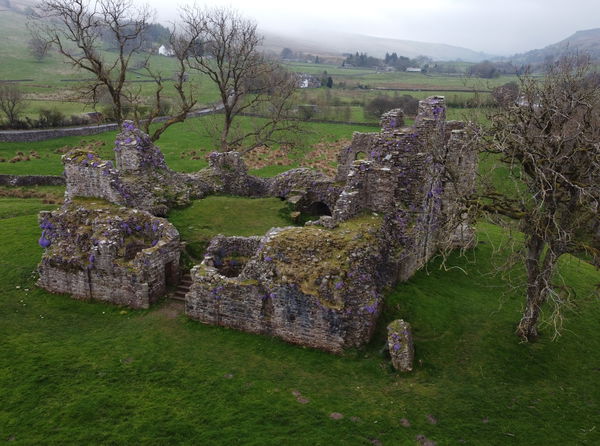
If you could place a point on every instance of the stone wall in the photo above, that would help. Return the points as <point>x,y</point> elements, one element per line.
<point>102,252</point>
<point>319,285</point>
<point>45,134</point>
<point>363,144</point>
<point>142,179</point>
<point>89,176</point>
<point>311,192</point>
<point>32,180</point>
<point>310,286</point>
<point>417,177</point>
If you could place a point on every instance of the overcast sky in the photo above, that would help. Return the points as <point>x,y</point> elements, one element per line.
<point>500,27</point>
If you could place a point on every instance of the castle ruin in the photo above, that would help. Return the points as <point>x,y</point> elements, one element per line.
<point>396,201</point>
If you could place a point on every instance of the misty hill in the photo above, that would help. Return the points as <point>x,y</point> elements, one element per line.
<point>331,43</point>
<point>587,41</point>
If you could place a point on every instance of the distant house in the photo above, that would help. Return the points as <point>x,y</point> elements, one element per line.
<point>306,80</point>
<point>165,51</point>
<point>413,69</point>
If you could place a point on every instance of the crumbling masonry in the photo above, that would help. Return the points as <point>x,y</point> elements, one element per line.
<point>396,201</point>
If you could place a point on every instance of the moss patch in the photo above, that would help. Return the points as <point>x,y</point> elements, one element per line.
<point>319,259</point>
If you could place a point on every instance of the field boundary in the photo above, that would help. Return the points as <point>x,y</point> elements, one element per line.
<point>32,180</point>
<point>36,135</point>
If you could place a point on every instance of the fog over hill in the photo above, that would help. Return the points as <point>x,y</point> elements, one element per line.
<point>338,43</point>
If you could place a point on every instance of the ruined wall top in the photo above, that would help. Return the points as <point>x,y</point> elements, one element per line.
<point>393,119</point>
<point>134,150</point>
<point>227,162</point>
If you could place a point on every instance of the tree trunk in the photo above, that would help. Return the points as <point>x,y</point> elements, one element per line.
<point>225,132</point>
<point>527,326</point>
<point>540,269</point>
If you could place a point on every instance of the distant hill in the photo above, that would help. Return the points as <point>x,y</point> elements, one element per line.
<point>587,41</point>
<point>330,43</point>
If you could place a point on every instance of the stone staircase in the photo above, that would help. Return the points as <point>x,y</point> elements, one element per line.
<point>182,288</point>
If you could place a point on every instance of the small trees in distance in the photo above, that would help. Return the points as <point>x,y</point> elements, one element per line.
<point>485,69</point>
<point>38,48</point>
<point>286,54</point>
<point>550,140</point>
<point>12,103</point>
<point>382,103</point>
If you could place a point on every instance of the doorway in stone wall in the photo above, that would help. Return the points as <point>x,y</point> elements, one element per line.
<point>171,276</point>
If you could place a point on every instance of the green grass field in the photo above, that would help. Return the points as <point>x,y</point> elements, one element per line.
<point>190,135</point>
<point>76,372</point>
<point>54,84</point>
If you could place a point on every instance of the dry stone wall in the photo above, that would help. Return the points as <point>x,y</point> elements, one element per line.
<point>32,180</point>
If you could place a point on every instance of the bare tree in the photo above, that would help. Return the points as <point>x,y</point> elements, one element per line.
<point>79,30</point>
<point>550,140</point>
<point>75,28</point>
<point>246,80</point>
<point>38,48</point>
<point>182,45</point>
<point>12,103</point>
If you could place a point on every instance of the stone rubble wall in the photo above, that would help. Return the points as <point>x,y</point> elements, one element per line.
<point>362,144</point>
<point>142,179</point>
<point>89,176</point>
<point>319,285</point>
<point>303,187</point>
<point>221,247</point>
<point>328,302</point>
<point>32,180</point>
<point>392,119</point>
<point>116,255</point>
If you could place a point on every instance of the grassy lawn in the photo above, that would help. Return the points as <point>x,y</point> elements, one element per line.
<point>175,143</point>
<point>87,373</point>
<point>206,218</point>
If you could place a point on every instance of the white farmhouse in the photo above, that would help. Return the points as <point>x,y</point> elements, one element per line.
<point>164,51</point>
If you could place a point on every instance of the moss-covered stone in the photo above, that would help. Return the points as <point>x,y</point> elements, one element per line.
<point>318,260</point>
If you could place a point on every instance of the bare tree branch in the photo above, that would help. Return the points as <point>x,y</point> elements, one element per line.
<point>549,138</point>
<point>228,55</point>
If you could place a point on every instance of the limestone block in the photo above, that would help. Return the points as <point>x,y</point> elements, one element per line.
<point>400,343</point>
